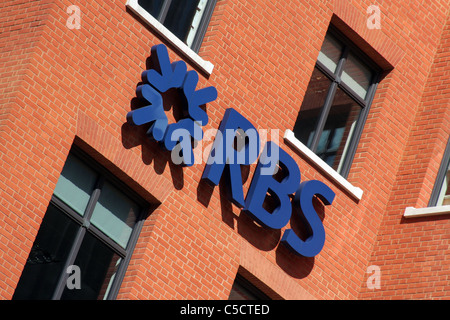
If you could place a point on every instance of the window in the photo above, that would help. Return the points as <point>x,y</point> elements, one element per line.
<point>337,102</point>
<point>243,290</point>
<point>91,223</point>
<point>441,192</point>
<point>186,19</point>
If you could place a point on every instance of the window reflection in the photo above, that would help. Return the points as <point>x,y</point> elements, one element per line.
<point>444,196</point>
<point>330,53</point>
<point>357,76</point>
<point>311,107</point>
<point>338,130</point>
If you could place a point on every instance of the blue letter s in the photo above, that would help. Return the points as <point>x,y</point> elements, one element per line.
<point>303,197</point>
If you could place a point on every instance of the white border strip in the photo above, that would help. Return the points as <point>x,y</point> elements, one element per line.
<point>411,212</point>
<point>330,172</point>
<point>206,66</point>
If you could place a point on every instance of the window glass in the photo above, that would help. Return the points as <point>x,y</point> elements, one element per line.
<point>152,6</point>
<point>333,112</point>
<point>115,214</point>
<point>47,257</point>
<point>75,185</point>
<point>66,239</point>
<point>239,292</point>
<point>357,75</point>
<point>186,19</point>
<point>330,53</point>
<point>179,17</point>
<point>339,126</point>
<point>98,265</point>
<point>311,107</point>
<point>201,7</point>
<point>244,290</point>
<point>444,195</point>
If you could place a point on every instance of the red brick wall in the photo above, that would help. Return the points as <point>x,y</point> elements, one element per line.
<point>414,254</point>
<point>24,180</point>
<point>76,86</point>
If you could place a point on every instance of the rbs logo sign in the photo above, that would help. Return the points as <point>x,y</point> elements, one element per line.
<point>226,158</point>
<point>265,182</point>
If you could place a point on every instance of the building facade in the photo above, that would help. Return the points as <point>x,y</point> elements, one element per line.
<point>346,101</point>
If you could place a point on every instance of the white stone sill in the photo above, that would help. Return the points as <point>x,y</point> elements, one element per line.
<point>193,57</point>
<point>411,212</point>
<point>355,192</point>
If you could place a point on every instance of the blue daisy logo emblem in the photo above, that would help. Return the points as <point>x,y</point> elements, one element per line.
<point>163,77</point>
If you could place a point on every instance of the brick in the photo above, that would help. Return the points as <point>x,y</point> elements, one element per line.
<point>62,86</point>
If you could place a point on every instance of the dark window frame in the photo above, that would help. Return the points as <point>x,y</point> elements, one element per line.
<point>336,82</point>
<point>84,225</point>
<point>438,185</point>
<point>203,25</point>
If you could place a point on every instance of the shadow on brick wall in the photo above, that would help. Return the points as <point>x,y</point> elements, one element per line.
<point>152,153</point>
<point>264,239</point>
